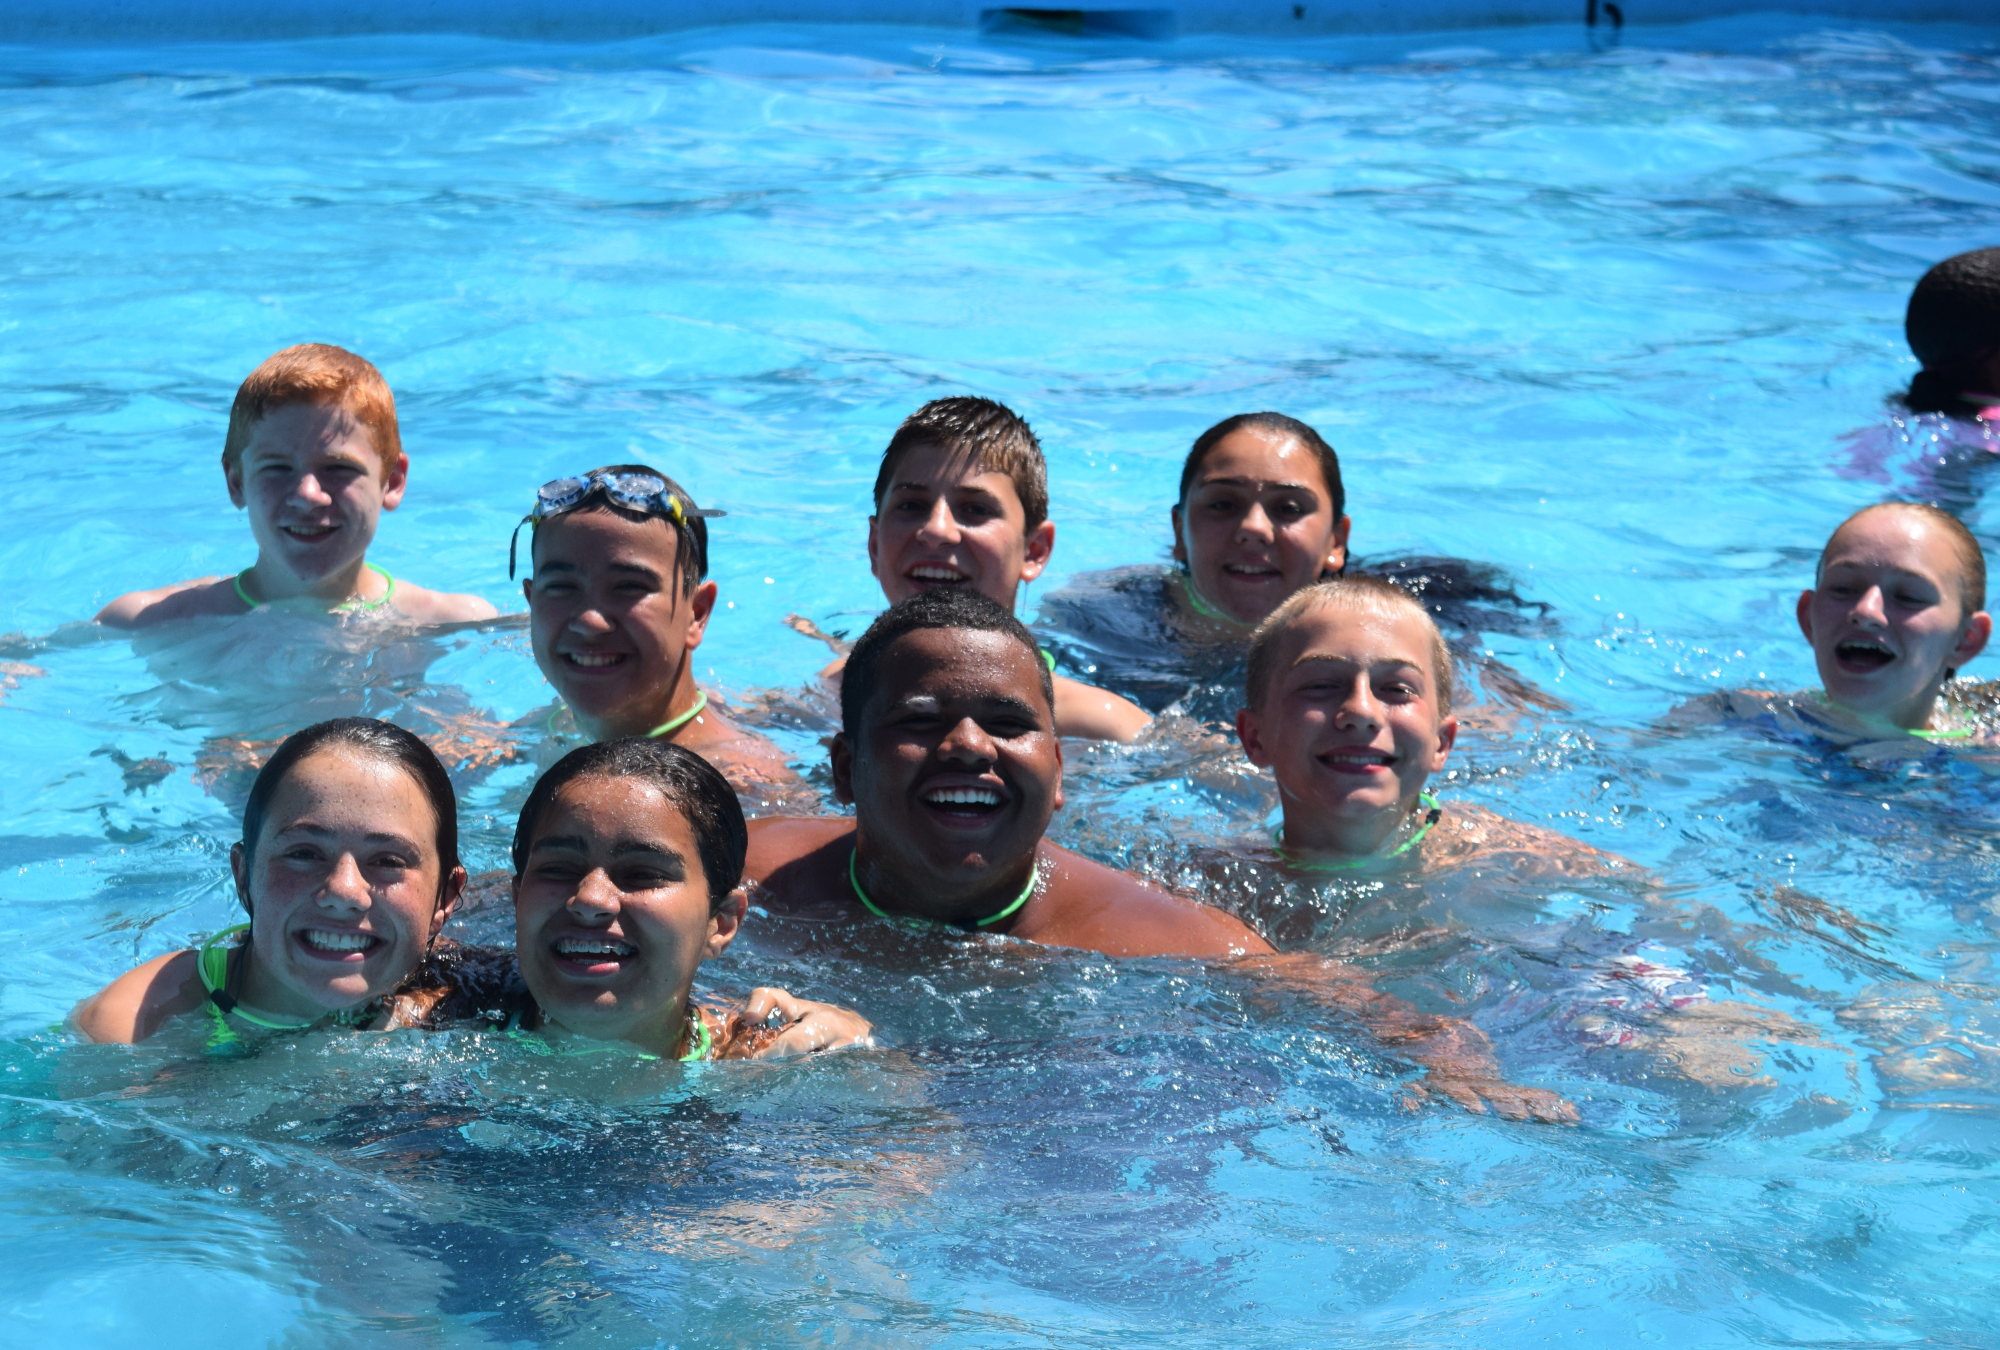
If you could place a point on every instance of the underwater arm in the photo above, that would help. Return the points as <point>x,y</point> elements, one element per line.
<point>1456,1057</point>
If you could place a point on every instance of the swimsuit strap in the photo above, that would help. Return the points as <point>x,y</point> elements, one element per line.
<point>213,963</point>
<point>700,1043</point>
<point>854,880</point>
<point>673,724</point>
<point>1432,813</point>
<point>1953,735</point>
<point>355,606</point>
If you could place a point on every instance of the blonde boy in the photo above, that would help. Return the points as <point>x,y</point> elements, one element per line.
<point>314,455</point>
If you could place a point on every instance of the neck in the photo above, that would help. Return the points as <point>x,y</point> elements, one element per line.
<point>1207,611</point>
<point>269,583</point>
<point>642,718</point>
<point>664,1035</point>
<point>963,902</point>
<point>1362,836</point>
<point>1918,714</point>
<point>256,991</point>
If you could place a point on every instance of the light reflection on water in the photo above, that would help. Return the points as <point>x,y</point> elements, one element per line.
<point>1599,317</point>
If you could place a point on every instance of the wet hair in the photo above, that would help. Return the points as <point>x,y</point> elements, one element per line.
<point>1349,593</point>
<point>1278,423</point>
<point>690,532</point>
<point>314,372</point>
<point>995,437</point>
<point>1953,326</point>
<point>952,607</point>
<point>1971,558</point>
<point>691,785</point>
<point>365,736</point>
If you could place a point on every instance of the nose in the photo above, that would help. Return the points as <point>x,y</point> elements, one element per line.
<point>941,526</point>
<point>596,899</point>
<point>346,890</point>
<point>1256,524</point>
<point>590,621</point>
<point>968,744</point>
<point>308,492</point>
<point>1871,608</point>
<point>1359,708</point>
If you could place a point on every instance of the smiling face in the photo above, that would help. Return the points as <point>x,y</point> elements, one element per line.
<point>958,768</point>
<point>946,522</point>
<point>343,887</point>
<point>1350,725</point>
<point>611,913</point>
<point>313,484</point>
<point>1258,524</point>
<point>610,624</point>
<point>1886,619</point>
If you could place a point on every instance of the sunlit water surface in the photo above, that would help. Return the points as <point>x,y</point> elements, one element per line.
<point>1602,317</point>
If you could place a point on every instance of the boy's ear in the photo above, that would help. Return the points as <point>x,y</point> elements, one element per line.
<point>1805,614</point>
<point>1447,734</point>
<point>703,601</point>
<point>1059,768</point>
<point>528,590</point>
<point>726,923</point>
<point>395,482</point>
<point>1252,736</point>
<point>454,887</point>
<point>1336,553</point>
<point>840,759</point>
<point>239,867</point>
<point>1180,544</point>
<point>872,526</point>
<point>232,474</point>
<point>1041,543</point>
<point>1972,639</point>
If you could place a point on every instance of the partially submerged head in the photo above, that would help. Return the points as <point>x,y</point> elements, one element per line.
<point>348,865</point>
<point>618,596</point>
<point>314,455</point>
<point>1897,605</point>
<point>948,749</point>
<point>628,857</point>
<point>1953,326</point>
<point>1261,513</point>
<point>1349,698</point>
<point>961,499</point>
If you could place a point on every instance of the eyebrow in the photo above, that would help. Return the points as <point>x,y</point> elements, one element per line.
<point>1252,482</point>
<point>1329,659</point>
<point>988,704</point>
<point>312,831</point>
<point>955,487</point>
<point>576,843</point>
<point>633,569</point>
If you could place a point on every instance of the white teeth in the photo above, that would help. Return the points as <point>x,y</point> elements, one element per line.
<point>963,797</point>
<point>925,573</point>
<point>328,941</point>
<point>593,660</point>
<point>571,946</point>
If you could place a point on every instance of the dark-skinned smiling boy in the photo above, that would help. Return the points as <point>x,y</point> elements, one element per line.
<point>949,755</point>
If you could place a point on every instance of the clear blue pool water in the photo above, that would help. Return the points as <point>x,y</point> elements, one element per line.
<point>1600,316</point>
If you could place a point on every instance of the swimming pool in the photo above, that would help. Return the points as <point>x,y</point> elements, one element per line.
<point>1601,316</point>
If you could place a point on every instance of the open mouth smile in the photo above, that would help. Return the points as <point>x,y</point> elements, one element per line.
<point>964,803</point>
<point>1360,760</point>
<point>310,534</point>
<point>1862,656</point>
<point>1250,571</point>
<point>591,660</point>
<point>936,574</point>
<point>337,944</point>
<point>587,956</point>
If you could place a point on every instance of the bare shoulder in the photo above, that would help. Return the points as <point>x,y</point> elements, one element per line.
<point>778,841</point>
<point>1469,833</point>
<point>1086,904</point>
<point>1096,714</point>
<point>745,757</point>
<point>133,1006</point>
<point>182,600</point>
<point>428,606</point>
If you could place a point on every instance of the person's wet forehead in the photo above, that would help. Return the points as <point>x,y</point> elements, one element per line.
<point>948,667</point>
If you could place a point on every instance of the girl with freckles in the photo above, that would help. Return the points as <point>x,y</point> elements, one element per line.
<point>348,869</point>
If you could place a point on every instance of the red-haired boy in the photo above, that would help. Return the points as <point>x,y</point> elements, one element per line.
<point>314,455</point>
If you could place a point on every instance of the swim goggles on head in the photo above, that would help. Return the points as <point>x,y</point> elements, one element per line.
<point>632,491</point>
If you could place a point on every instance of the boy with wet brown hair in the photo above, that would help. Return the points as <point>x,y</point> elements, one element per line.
<point>962,499</point>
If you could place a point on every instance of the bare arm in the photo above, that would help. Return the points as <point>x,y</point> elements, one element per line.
<point>137,1003</point>
<point>1086,711</point>
<point>772,1024</point>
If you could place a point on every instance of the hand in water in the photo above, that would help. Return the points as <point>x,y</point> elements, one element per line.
<point>774,1025</point>
<point>1504,1099</point>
